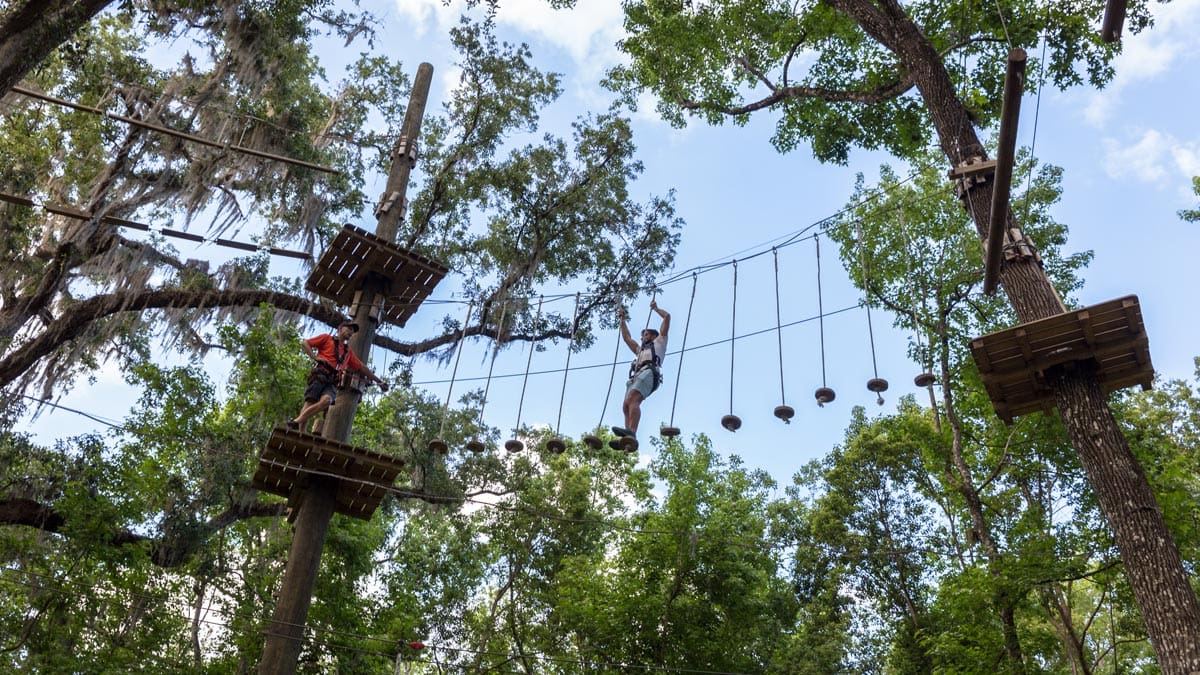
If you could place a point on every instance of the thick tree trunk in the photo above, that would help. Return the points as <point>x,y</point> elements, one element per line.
<point>1152,561</point>
<point>1151,558</point>
<point>32,29</point>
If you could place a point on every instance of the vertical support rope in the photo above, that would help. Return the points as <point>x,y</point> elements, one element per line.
<point>495,351</point>
<point>528,362</point>
<point>567,369</point>
<point>462,334</point>
<point>820,309</point>
<point>862,261</point>
<point>778,326</point>
<point>732,336</point>
<point>611,378</point>
<point>683,348</point>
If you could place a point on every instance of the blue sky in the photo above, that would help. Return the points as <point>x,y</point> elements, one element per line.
<point>1128,152</point>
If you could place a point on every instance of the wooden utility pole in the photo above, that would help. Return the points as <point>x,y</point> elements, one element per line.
<point>317,495</point>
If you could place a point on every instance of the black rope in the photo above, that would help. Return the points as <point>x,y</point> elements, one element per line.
<point>495,351</point>
<point>529,361</point>
<point>779,327</point>
<point>454,371</point>
<point>567,369</point>
<point>862,260</point>
<point>820,310</point>
<point>733,334</point>
<point>683,348</point>
<point>612,377</point>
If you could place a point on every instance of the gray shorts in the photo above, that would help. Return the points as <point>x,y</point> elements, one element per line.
<point>642,382</point>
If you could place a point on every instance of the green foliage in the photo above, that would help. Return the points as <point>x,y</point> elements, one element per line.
<point>836,85</point>
<point>1192,215</point>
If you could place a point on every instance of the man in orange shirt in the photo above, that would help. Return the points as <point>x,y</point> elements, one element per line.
<point>331,357</point>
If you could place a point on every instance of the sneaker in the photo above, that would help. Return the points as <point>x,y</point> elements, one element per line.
<point>292,424</point>
<point>622,431</point>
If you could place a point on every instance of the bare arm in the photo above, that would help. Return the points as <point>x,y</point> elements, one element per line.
<point>633,345</point>
<point>666,318</point>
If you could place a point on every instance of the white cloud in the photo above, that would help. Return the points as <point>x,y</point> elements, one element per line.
<point>1174,40</point>
<point>587,33</point>
<point>1154,157</point>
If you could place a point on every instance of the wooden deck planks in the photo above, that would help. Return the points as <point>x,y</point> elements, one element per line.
<point>355,254</point>
<point>1013,362</point>
<point>365,477</point>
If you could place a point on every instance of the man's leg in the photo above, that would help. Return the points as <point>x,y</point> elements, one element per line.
<point>633,410</point>
<point>312,408</point>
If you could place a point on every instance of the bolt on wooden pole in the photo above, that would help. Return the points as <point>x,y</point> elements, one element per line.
<point>1010,112</point>
<point>284,636</point>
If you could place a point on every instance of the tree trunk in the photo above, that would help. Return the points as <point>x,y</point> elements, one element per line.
<point>1152,561</point>
<point>1147,549</point>
<point>32,29</point>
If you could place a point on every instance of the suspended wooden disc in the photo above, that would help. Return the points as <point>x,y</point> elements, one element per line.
<point>514,445</point>
<point>785,413</point>
<point>824,395</point>
<point>475,445</point>
<point>439,446</point>
<point>924,380</point>
<point>593,441</point>
<point>669,432</point>
<point>877,384</point>
<point>731,422</point>
<point>556,445</point>
<point>628,443</point>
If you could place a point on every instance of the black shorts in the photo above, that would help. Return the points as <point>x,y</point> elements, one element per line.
<point>320,384</point>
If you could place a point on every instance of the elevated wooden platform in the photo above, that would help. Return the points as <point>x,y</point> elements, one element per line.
<point>356,254</point>
<point>290,454</point>
<point>1014,362</point>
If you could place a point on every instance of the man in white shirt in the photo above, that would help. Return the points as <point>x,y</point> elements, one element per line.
<point>645,375</point>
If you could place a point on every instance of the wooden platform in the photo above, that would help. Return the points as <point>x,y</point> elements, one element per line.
<point>290,454</point>
<point>356,254</point>
<point>1014,362</point>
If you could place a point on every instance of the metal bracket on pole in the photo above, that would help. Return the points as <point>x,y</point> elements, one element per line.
<point>376,309</point>
<point>1014,80</point>
<point>407,149</point>
<point>388,200</point>
<point>971,172</point>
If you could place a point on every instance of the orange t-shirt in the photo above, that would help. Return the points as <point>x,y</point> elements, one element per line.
<point>328,350</point>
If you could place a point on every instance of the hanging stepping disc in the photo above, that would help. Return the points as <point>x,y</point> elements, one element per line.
<point>924,379</point>
<point>556,445</point>
<point>593,441</point>
<point>628,444</point>
<point>824,395</point>
<point>877,385</point>
<point>669,432</point>
<point>731,422</point>
<point>514,445</point>
<point>785,413</point>
<point>475,445</point>
<point>439,446</point>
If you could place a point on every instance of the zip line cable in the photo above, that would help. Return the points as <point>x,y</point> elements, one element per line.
<point>616,360</point>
